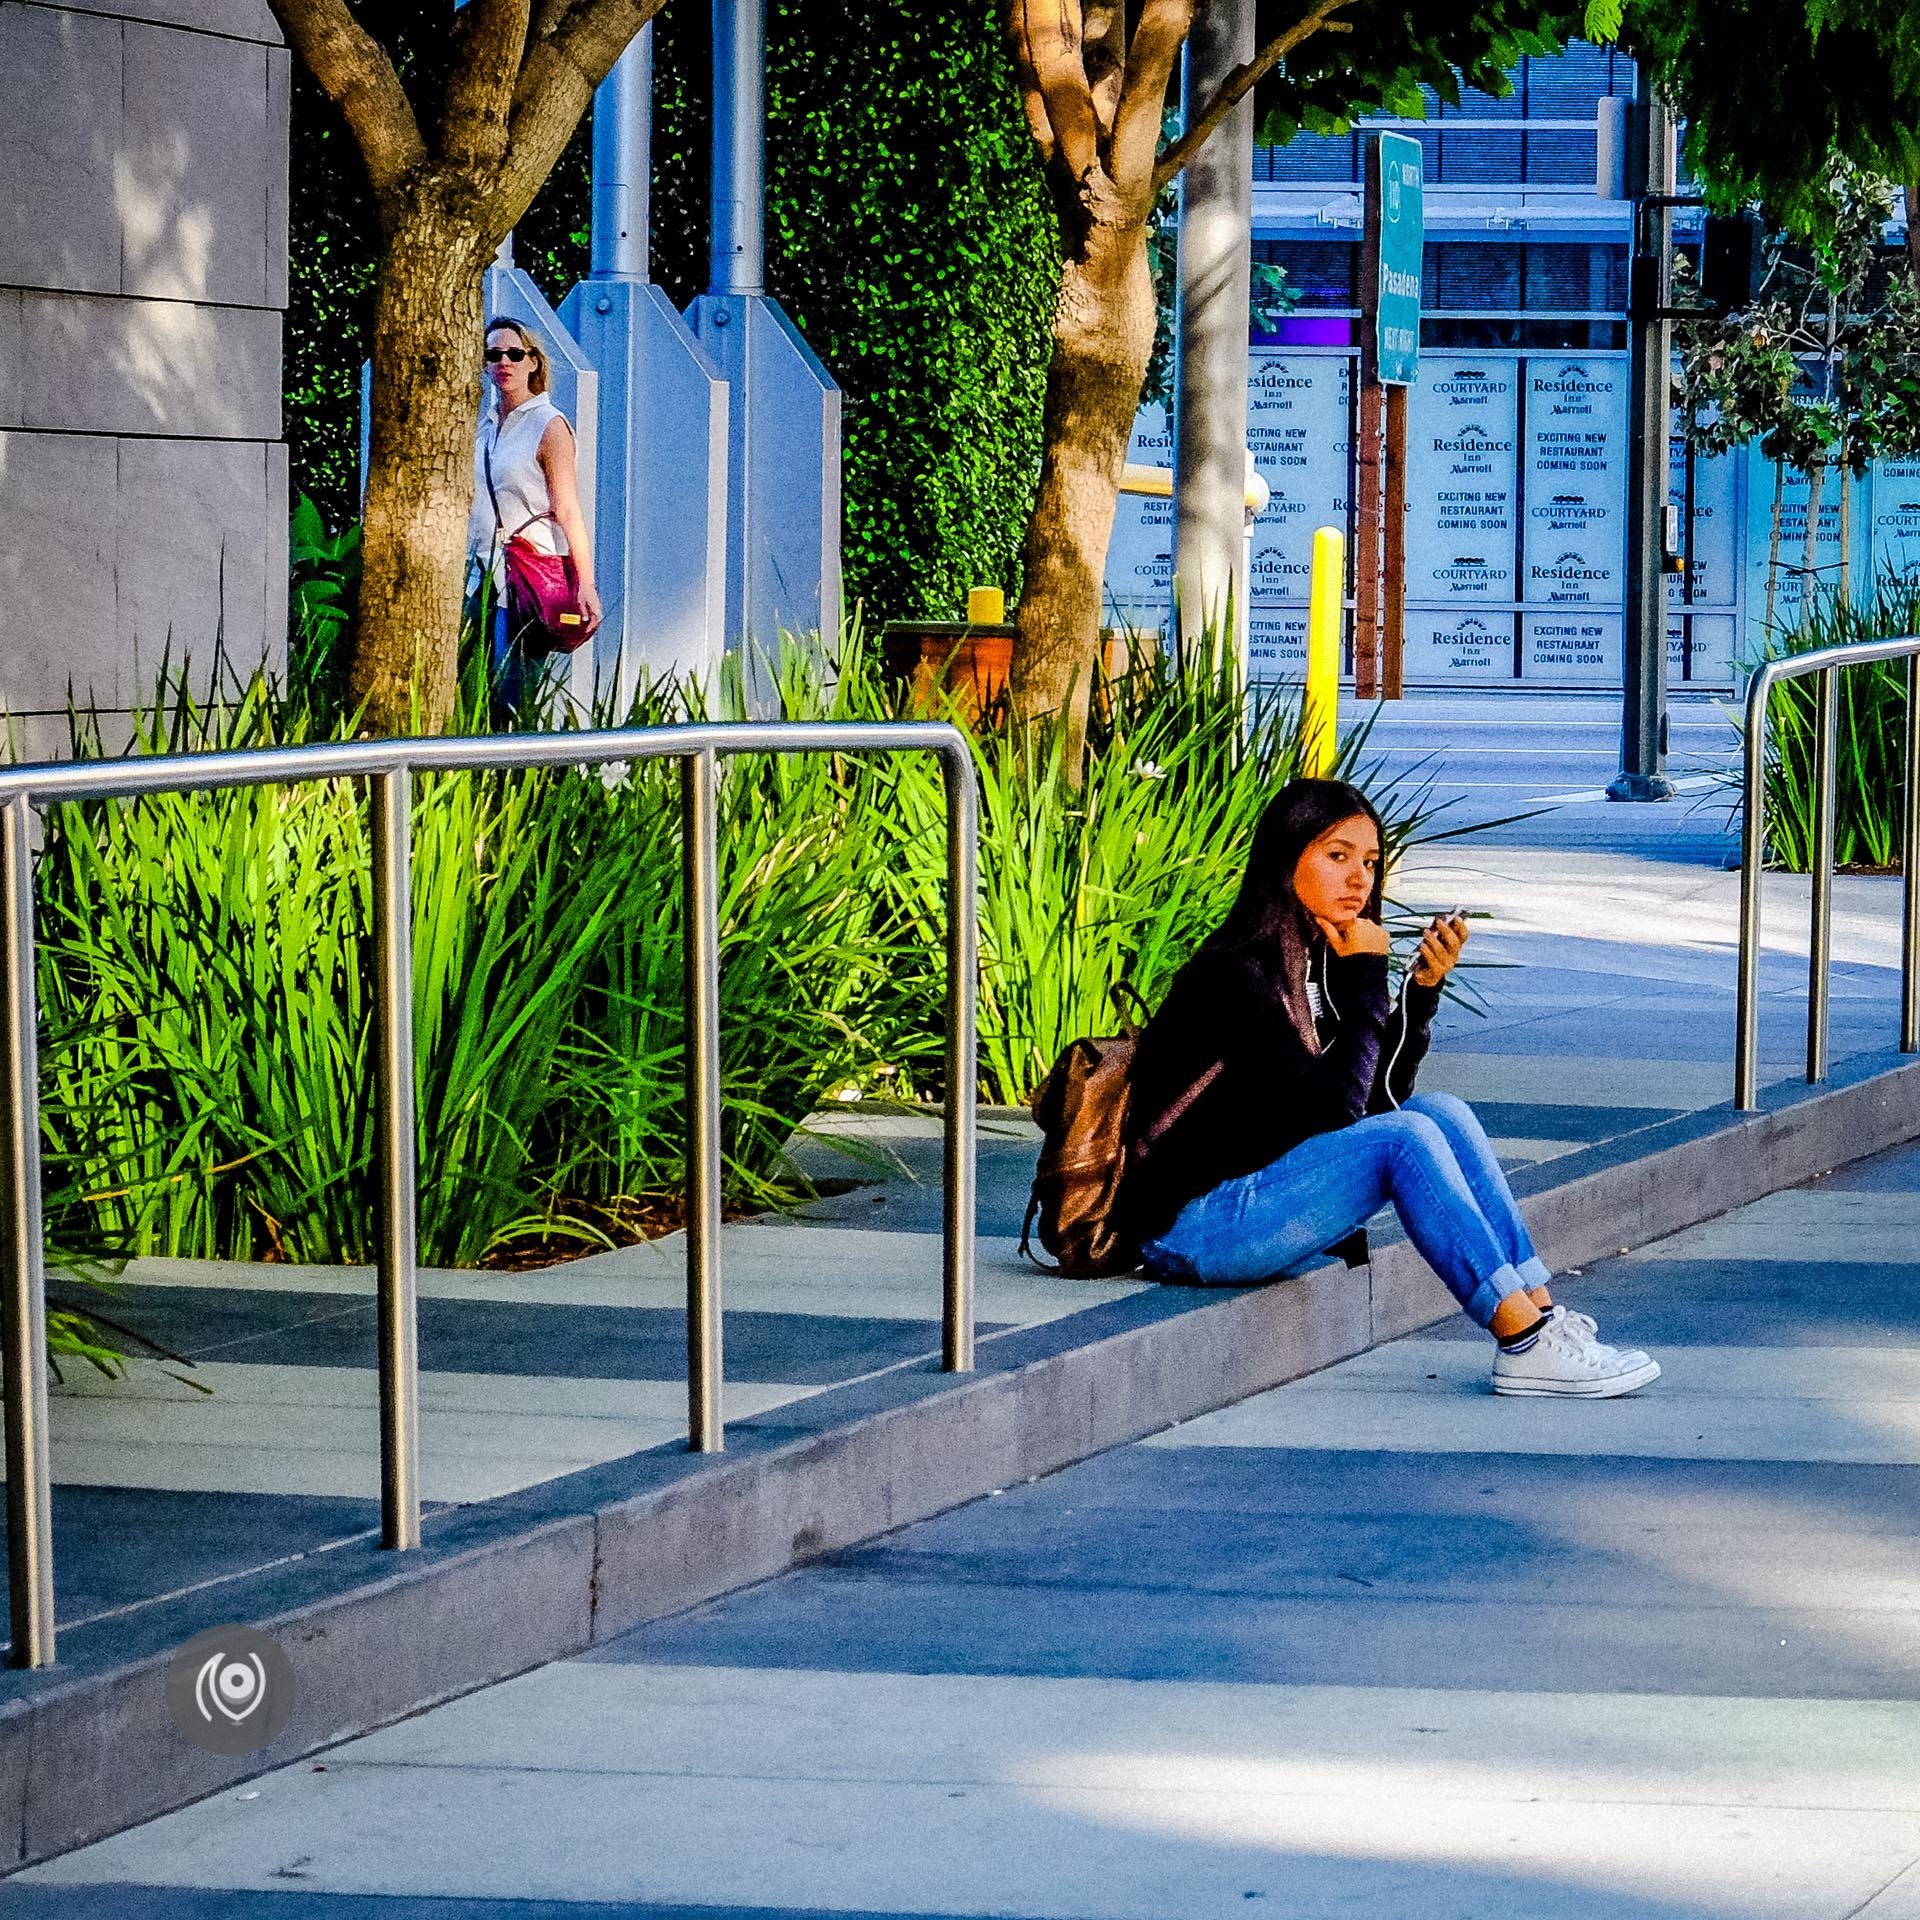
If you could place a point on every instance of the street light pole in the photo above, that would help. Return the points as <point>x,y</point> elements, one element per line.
<point>1650,184</point>
<point>1211,359</point>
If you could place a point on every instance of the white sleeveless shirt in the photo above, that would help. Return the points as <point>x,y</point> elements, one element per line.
<point>512,447</point>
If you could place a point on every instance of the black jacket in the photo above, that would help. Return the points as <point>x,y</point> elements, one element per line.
<point>1225,1014</point>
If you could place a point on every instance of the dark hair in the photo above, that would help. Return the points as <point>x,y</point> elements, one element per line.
<point>1266,921</point>
<point>537,373</point>
<point>1295,818</point>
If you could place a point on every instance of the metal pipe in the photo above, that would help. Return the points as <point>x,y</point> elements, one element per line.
<point>360,759</point>
<point>739,160</point>
<point>1753,859</point>
<point>700,873</point>
<point>1820,945</point>
<point>388,765</point>
<point>1910,869</point>
<point>959,1168</point>
<point>1651,161</point>
<point>391,794</point>
<point>622,162</point>
<point>23,1304</point>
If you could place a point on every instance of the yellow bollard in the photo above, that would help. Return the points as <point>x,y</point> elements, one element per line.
<point>1326,592</point>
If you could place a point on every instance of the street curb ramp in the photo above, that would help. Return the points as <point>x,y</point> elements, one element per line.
<point>87,1747</point>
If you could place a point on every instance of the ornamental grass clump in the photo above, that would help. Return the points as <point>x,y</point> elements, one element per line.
<point>207,1017</point>
<point>1870,762</point>
<point>204,971</point>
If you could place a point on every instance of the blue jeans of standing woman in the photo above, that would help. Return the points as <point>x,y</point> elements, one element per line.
<point>1431,1159</point>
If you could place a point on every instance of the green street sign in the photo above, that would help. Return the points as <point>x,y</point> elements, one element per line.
<point>1397,214</point>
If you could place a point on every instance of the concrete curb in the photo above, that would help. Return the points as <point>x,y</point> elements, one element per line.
<point>87,1748</point>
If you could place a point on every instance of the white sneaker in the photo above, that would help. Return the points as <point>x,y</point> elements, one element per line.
<point>1586,1328</point>
<point>1567,1360</point>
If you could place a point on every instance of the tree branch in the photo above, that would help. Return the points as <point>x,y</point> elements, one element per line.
<point>1241,82</point>
<point>491,41</point>
<point>571,49</point>
<point>1052,35</point>
<point>1104,55</point>
<point>1031,97</point>
<point>1158,35</point>
<point>355,74</point>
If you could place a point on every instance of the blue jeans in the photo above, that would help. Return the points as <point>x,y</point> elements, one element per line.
<point>1432,1159</point>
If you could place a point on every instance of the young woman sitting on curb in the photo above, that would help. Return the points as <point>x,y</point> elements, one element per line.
<point>1273,1111</point>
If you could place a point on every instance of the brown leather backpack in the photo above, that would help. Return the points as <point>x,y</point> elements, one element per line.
<point>1081,1110</point>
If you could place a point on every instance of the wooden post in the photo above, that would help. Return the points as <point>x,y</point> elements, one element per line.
<point>1366,542</point>
<point>1393,630</point>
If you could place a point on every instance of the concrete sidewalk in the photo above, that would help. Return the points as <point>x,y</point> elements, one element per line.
<point>1373,1643</point>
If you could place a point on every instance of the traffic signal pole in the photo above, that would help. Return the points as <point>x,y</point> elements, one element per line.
<point>1650,184</point>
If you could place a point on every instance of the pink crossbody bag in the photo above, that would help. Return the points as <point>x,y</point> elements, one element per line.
<point>543,589</point>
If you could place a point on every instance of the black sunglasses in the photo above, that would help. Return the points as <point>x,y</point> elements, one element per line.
<point>515,354</point>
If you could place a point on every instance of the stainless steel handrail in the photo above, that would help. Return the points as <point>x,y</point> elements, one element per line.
<point>389,766</point>
<point>1825,662</point>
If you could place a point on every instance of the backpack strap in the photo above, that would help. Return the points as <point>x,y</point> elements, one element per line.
<point>1026,1232</point>
<point>1178,1111</point>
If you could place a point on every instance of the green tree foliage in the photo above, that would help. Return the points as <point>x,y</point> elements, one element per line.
<point>910,237</point>
<point>1821,368</point>
<point>1773,90</point>
<point>1380,54</point>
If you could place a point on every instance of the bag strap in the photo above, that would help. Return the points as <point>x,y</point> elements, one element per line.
<point>1123,991</point>
<point>499,522</point>
<point>1026,1232</point>
<point>1178,1111</point>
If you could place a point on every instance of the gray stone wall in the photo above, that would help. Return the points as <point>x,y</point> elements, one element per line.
<point>143,274</point>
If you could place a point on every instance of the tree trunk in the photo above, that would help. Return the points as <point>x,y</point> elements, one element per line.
<point>1846,536</point>
<point>1810,554</point>
<point>1913,232</point>
<point>1773,544</point>
<point>426,394</point>
<point>1102,340</point>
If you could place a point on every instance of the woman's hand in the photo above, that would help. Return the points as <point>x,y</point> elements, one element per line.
<point>1439,950</point>
<point>590,605</point>
<point>1355,936</point>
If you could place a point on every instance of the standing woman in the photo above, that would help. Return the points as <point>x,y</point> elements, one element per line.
<point>525,482</point>
<point>1273,1111</point>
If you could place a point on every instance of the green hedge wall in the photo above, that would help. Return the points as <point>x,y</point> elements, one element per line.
<point>918,252</point>
<point>908,235</point>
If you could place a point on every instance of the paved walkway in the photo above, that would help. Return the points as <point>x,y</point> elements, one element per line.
<point>1552,755</point>
<point>1372,1644</point>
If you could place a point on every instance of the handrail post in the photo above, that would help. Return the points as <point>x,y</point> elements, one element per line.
<point>1820,944</point>
<point>706,1432</point>
<point>1753,860</point>
<point>1910,872</point>
<point>23,1323</point>
<point>391,822</point>
<point>959,1173</point>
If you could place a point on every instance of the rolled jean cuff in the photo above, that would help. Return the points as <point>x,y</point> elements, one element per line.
<point>1534,1273</point>
<point>1484,1301</point>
